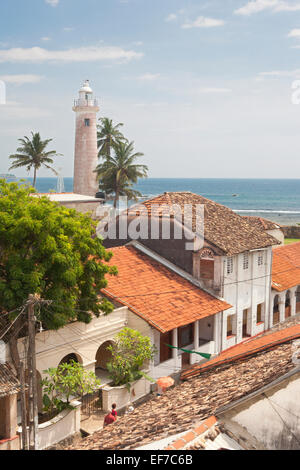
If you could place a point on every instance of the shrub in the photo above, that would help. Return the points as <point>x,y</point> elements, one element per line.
<point>66,381</point>
<point>129,353</point>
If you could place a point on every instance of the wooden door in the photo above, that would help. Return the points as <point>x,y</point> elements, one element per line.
<point>245,321</point>
<point>165,351</point>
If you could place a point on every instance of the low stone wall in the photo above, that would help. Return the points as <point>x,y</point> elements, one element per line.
<point>122,397</point>
<point>61,427</point>
<point>65,425</point>
<point>291,231</point>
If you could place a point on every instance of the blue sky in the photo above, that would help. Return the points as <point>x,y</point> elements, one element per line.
<point>203,87</point>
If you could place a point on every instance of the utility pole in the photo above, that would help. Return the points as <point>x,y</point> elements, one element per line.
<point>32,302</point>
<point>23,406</point>
<point>32,382</point>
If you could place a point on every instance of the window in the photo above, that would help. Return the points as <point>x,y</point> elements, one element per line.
<point>87,123</point>
<point>186,335</point>
<point>207,264</point>
<point>259,316</point>
<point>260,259</point>
<point>207,269</point>
<point>230,325</point>
<point>245,261</point>
<point>230,265</point>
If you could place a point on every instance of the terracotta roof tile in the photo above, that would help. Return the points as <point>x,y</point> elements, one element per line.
<point>191,435</point>
<point>193,401</point>
<point>160,296</point>
<point>223,228</point>
<point>246,349</point>
<point>260,222</point>
<point>286,267</point>
<point>9,383</point>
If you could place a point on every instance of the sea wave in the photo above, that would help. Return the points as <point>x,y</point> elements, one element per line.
<point>265,211</point>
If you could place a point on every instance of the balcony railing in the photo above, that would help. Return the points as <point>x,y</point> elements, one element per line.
<point>86,103</point>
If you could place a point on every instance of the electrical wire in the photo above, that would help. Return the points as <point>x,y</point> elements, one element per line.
<point>11,325</point>
<point>288,427</point>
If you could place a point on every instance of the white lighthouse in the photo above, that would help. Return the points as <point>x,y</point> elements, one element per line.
<point>86,152</point>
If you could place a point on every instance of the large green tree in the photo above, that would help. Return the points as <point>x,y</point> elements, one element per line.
<point>119,172</point>
<point>108,135</point>
<point>32,154</point>
<point>52,251</point>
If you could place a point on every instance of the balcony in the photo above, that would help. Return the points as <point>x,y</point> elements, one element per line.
<point>85,103</point>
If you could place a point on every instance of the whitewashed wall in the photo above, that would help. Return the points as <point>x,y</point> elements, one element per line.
<point>273,419</point>
<point>245,289</point>
<point>78,338</point>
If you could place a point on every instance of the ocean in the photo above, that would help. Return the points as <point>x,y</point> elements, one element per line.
<point>274,199</point>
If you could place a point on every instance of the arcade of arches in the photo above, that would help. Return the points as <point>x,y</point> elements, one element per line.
<point>284,305</point>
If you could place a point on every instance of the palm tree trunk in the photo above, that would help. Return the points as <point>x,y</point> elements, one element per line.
<point>34,177</point>
<point>116,199</point>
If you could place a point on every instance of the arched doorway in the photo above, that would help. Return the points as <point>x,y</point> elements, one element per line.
<point>103,355</point>
<point>276,315</point>
<point>69,358</point>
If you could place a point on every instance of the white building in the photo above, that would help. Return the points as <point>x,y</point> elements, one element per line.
<point>234,262</point>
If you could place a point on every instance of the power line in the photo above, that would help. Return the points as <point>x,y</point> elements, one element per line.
<point>288,427</point>
<point>11,325</point>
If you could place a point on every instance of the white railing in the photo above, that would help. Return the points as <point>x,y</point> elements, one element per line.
<point>86,103</point>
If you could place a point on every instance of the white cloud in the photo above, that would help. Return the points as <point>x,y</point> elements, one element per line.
<point>280,73</point>
<point>45,38</point>
<point>68,29</point>
<point>294,33</point>
<point>21,79</point>
<point>83,54</point>
<point>171,17</point>
<point>214,90</point>
<point>21,112</point>
<point>256,6</point>
<point>149,77</point>
<point>53,3</point>
<point>202,22</point>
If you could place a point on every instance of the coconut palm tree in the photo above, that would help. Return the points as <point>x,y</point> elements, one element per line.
<point>32,154</point>
<point>118,173</point>
<point>108,135</point>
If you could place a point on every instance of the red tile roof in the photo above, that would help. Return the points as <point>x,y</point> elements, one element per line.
<point>223,228</point>
<point>242,350</point>
<point>193,434</point>
<point>286,267</point>
<point>9,384</point>
<point>260,222</point>
<point>183,407</point>
<point>158,295</point>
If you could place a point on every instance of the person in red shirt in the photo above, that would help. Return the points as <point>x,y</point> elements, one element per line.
<point>109,419</point>
<point>114,411</point>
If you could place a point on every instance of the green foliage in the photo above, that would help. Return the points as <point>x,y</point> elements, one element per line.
<point>108,135</point>
<point>129,353</point>
<point>32,154</point>
<point>66,381</point>
<point>118,173</point>
<point>53,251</point>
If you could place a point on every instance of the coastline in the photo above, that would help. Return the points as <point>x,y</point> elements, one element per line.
<point>277,200</point>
